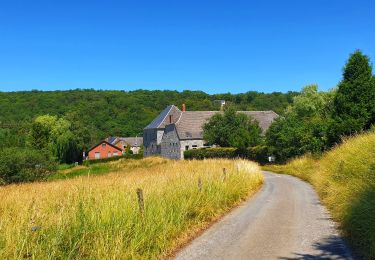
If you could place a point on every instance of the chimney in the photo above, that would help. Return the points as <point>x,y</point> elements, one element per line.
<point>183,108</point>
<point>170,119</point>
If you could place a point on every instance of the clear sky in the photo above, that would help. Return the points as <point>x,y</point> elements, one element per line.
<point>210,45</point>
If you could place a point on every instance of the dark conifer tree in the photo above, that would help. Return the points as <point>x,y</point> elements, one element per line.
<point>354,103</point>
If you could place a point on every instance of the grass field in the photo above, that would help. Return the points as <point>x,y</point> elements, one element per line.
<point>98,216</point>
<point>345,181</point>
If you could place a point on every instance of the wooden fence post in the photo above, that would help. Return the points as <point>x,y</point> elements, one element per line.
<point>141,202</point>
<point>224,174</point>
<point>199,184</point>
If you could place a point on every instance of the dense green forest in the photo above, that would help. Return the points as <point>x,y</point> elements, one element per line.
<point>96,114</point>
<point>56,126</point>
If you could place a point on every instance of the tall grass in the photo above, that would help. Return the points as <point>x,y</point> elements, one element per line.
<point>345,180</point>
<point>97,216</point>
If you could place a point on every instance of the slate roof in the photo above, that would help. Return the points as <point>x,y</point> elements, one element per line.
<point>163,118</point>
<point>111,139</point>
<point>264,118</point>
<point>190,124</point>
<point>132,141</point>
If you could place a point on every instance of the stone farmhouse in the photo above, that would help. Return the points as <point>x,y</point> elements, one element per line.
<point>174,131</point>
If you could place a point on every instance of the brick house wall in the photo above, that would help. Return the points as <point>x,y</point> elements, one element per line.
<point>104,150</point>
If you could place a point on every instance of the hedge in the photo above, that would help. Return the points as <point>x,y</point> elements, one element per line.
<point>24,165</point>
<point>258,153</point>
<point>114,158</point>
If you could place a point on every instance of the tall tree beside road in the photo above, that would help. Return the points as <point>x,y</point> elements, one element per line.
<point>354,103</point>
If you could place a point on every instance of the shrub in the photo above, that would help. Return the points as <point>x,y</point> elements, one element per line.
<point>22,165</point>
<point>206,153</point>
<point>114,158</point>
<point>257,153</point>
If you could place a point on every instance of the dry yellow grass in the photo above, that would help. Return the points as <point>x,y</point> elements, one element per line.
<point>345,180</point>
<point>97,217</point>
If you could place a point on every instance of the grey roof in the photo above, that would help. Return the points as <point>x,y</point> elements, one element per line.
<point>163,118</point>
<point>264,118</point>
<point>132,141</point>
<point>190,124</point>
<point>111,139</point>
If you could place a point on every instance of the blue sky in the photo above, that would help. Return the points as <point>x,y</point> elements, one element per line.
<point>215,46</point>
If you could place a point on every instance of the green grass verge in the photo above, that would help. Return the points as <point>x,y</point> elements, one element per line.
<point>81,171</point>
<point>122,164</point>
<point>345,181</point>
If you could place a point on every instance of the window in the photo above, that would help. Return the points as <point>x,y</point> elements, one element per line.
<point>115,154</point>
<point>97,155</point>
<point>109,154</point>
<point>186,147</point>
<point>194,146</point>
<point>103,144</point>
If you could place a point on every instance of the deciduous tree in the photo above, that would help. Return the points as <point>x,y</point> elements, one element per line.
<point>232,129</point>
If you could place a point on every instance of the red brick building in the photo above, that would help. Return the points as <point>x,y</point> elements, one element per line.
<point>104,150</point>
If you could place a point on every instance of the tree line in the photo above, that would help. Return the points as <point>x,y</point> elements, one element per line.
<point>41,129</point>
<point>95,114</point>
<point>314,122</point>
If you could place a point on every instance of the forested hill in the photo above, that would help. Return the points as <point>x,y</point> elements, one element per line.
<point>99,114</point>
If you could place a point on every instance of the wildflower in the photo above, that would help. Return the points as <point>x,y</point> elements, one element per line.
<point>35,228</point>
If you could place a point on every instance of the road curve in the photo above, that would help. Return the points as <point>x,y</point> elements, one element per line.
<point>284,220</point>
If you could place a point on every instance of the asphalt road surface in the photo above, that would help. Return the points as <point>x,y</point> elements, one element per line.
<point>284,220</point>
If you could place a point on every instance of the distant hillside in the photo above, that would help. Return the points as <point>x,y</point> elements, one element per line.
<point>103,113</point>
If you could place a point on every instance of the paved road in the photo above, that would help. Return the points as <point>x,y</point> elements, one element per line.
<point>285,220</point>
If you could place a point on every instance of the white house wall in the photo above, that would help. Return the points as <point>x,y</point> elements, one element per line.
<point>190,144</point>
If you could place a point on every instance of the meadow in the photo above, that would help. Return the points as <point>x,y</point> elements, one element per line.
<point>345,181</point>
<point>98,216</point>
